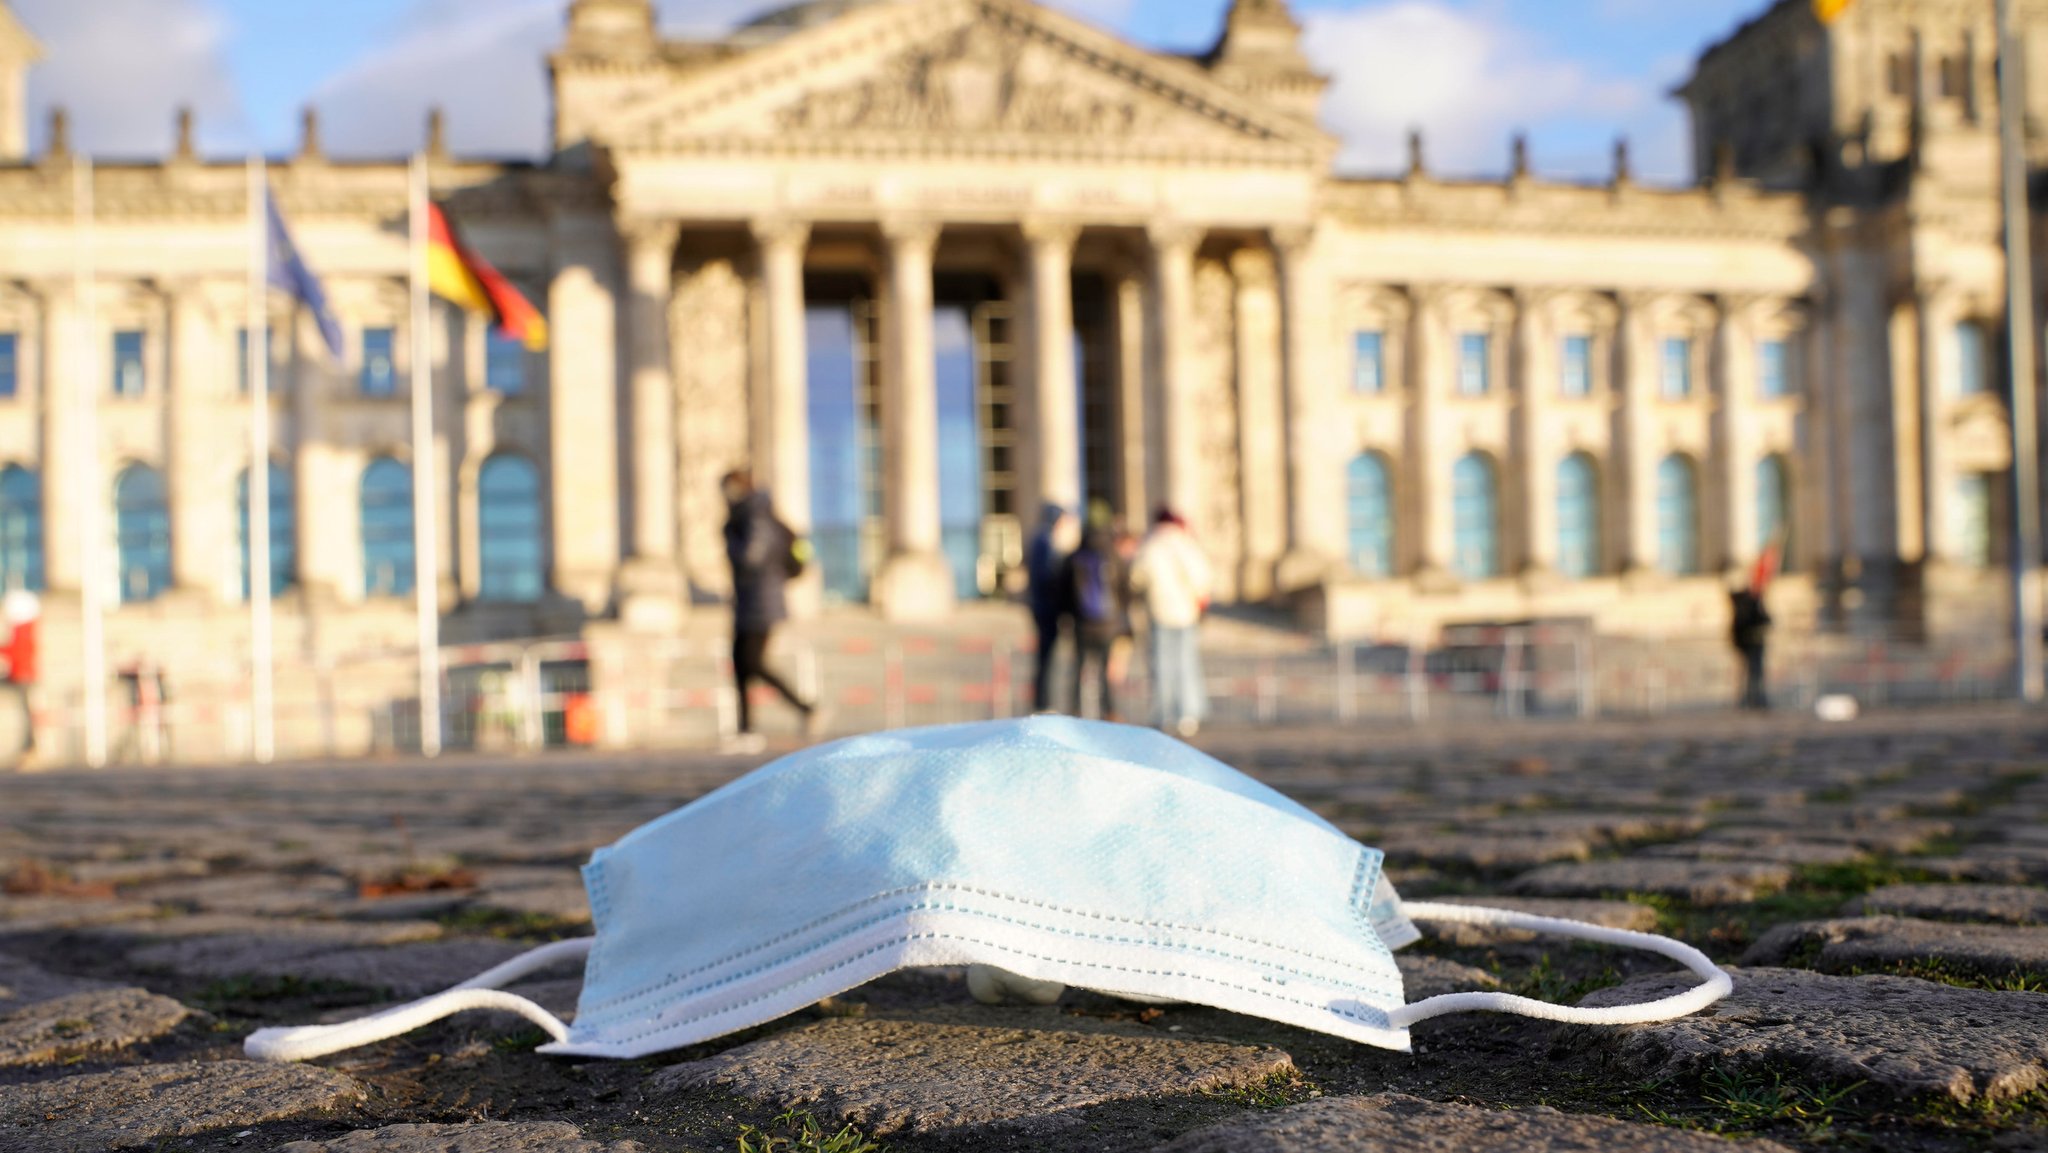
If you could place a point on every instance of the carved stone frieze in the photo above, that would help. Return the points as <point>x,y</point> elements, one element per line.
<point>709,341</point>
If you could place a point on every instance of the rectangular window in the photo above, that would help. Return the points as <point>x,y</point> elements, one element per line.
<point>128,376</point>
<point>1677,368</point>
<point>1972,375</point>
<point>242,362</point>
<point>380,371</point>
<point>1475,364</point>
<point>1578,366</point>
<point>1774,370</point>
<point>1368,364</point>
<point>504,364</point>
<point>10,365</point>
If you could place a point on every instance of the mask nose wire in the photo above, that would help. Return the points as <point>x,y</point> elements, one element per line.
<point>305,1042</point>
<point>1717,983</point>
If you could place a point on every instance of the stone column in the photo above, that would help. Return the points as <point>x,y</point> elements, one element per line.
<point>916,582</point>
<point>1262,429</point>
<point>1736,380</point>
<point>64,370</point>
<point>1637,381</point>
<point>1132,410</point>
<point>1431,453</point>
<point>651,583</point>
<point>1938,366</point>
<point>1536,383</point>
<point>583,432</point>
<point>1176,475</point>
<point>198,513</point>
<point>787,470</point>
<point>1055,425</point>
<point>1315,476</point>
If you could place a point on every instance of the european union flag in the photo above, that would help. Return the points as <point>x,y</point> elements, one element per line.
<point>288,273</point>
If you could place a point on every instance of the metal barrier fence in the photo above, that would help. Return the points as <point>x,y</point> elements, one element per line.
<point>523,697</point>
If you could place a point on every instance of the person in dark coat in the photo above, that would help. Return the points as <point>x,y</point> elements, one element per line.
<point>1044,565</point>
<point>1750,631</point>
<point>1094,584</point>
<point>762,551</point>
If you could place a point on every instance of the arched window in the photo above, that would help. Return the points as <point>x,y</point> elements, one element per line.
<point>283,556</point>
<point>142,534</point>
<point>21,530</point>
<point>1370,500</point>
<point>508,530</point>
<point>388,558</point>
<point>1774,508</point>
<point>1475,518</point>
<point>1578,516</point>
<point>1678,517</point>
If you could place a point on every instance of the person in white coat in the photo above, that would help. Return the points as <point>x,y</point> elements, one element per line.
<point>1173,578</point>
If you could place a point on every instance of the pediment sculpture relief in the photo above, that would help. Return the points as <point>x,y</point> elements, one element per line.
<point>985,78</point>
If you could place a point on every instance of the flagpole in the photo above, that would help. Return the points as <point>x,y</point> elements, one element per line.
<point>2019,271</point>
<point>90,494</point>
<point>262,688</point>
<point>426,578</point>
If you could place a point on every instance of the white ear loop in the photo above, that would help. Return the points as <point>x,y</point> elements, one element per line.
<point>1718,983</point>
<point>305,1042</point>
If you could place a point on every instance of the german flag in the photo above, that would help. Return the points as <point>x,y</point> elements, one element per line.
<point>466,280</point>
<point>1829,11</point>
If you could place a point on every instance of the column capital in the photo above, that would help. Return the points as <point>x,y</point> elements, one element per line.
<point>780,232</point>
<point>1050,232</point>
<point>911,233</point>
<point>1253,267</point>
<point>1294,242</point>
<point>643,233</point>
<point>1175,237</point>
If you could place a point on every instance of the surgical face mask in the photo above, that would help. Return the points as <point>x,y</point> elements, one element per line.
<point>1043,853</point>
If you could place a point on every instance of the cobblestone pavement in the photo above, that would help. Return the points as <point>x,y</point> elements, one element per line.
<point>1880,890</point>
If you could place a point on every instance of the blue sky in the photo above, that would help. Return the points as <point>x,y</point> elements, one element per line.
<point>1574,74</point>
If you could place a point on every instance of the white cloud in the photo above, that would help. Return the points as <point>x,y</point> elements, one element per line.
<point>121,68</point>
<point>1466,81</point>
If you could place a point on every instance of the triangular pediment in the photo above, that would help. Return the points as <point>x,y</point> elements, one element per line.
<point>960,75</point>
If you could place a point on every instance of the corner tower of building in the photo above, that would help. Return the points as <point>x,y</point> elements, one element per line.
<point>18,51</point>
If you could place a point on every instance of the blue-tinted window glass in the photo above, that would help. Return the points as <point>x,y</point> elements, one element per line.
<point>129,378</point>
<point>1678,518</point>
<point>1370,501</point>
<point>1774,370</point>
<point>843,454</point>
<point>1475,518</point>
<point>504,364</point>
<point>142,534</point>
<point>1475,364</point>
<point>282,554</point>
<point>10,365</point>
<point>960,446</point>
<point>1578,517</point>
<point>1972,365</point>
<point>1773,507</point>
<point>509,530</point>
<point>388,558</point>
<point>1578,366</point>
<point>1677,368</point>
<point>1368,363</point>
<point>380,368</point>
<point>21,529</point>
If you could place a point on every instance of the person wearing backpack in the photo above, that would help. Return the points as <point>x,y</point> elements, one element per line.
<point>1092,579</point>
<point>765,555</point>
<point>1174,579</point>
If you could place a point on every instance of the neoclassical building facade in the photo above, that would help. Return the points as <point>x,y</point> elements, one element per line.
<point>925,264</point>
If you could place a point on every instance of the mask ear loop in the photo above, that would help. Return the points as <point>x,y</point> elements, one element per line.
<point>1718,983</point>
<point>305,1042</point>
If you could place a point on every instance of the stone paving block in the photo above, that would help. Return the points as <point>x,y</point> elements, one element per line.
<point>567,902</point>
<point>1700,882</point>
<point>481,1137</point>
<point>24,984</point>
<point>1609,914</point>
<point>1610,828</point>
<point>251,895</point>
<point>1994,864</point>
<point>1898,1034</point>
<point>2007,904</point>
<point>140,1107</point>
<point>94,1021</point>
<point>332,934</point>
<point>1876,942</point>
<point>1480,851</point>
<point>1396,1123</point>
<point>407,970</point>
<point>1425,976</point>
<point>41,914</point>
<point>889,1077</point>
<point>1793,853</point>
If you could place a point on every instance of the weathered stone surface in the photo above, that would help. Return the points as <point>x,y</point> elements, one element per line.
<point>1994,864</point>
<point>405,970</point>
<point>1479,851</point>
<point>24,984</point>
<point>912,1077</point>
<point>1395,1123</point>
<point>1610,828</point>
<point>2010,904</point>
<point>1426,976</point>
<point>96,1021</point>
<point>1898,1034</point>
<point>1773,852</point>
<point>1875,942</point>
<point>139,1107</point>
<point>38,914</point>
<point>1700,882</point>
<point>1609,914</point>
<point>327,934</point>
<point>483,1137</point>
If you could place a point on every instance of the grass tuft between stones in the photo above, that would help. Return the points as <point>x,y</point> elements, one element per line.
<point>1277,1091</point>
<point>797,1131</point>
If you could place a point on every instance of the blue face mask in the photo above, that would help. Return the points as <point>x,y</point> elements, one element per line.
<point>1045,852</point>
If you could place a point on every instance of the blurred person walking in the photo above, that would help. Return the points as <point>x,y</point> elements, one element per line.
<point>1749,628</point>
<point>1094,583</point>
<point>1174,579</point>
<point>1044,566</point>
<point>765,555</point>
